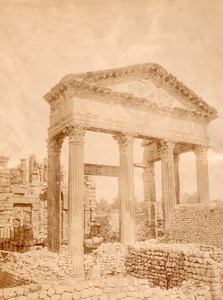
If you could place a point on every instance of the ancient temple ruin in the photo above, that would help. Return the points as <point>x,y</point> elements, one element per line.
<point>167,115</point>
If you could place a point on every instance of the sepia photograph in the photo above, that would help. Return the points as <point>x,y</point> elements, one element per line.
<point>111,150</point>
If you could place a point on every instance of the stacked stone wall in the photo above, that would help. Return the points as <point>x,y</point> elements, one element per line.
<point>196,223</point>
<point>9,280</point>
<point>168,265</point>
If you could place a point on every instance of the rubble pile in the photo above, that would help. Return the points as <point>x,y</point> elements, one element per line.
<point>39,265</point>
<point>171,271</point>
<point>108,259</point>
<point>168,265</point>
<point>111,288</point>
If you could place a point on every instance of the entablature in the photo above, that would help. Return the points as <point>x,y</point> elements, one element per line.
<point>93,85</point>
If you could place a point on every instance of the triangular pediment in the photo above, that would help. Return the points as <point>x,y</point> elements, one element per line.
<point>146,89</point>
<point>146,85</point>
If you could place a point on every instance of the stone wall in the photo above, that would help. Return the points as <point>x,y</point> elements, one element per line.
<point>8,280</point>
<point>23,195</point>
<point>168,265</point>
<point>195,223</point>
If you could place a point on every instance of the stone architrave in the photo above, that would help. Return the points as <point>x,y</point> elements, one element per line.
<point>202,173</point>
<point>126,188</point>
<point>54,197</point>
<point>168,180</point>
<point>76,135</point>
<point>150,197</point>
<point>176,159</point>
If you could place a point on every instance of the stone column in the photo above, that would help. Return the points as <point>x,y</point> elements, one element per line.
<point>76,135</point>
<point>176,159</point>
<point>23,169</point>
<point>202,174</point>
<point>168,181</point>
<point>4,175</point>
<point>53,195</point>
<point>42,173</point>
<point>32,159</point>
<point>126,189</point>
<point>150,198</point>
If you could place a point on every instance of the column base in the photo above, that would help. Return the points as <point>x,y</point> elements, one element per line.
<point>78,266</point>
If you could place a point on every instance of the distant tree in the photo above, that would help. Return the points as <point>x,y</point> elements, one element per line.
<point>102,205</point>
<point>115,204</point>
<point>190,199</point>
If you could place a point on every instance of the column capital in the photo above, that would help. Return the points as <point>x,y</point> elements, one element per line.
<point>166,147</point>
<point>75,132</point>
<point>124,139</point>
<point>54,144</point>
<point>200,150</point>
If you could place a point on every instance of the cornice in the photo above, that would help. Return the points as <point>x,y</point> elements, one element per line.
<point>94,85</point>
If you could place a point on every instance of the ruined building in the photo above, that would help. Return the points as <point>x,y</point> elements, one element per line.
<point>166,114</point>
<point>23,197</point>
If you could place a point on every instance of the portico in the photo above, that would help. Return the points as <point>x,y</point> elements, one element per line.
<point>90,102</point>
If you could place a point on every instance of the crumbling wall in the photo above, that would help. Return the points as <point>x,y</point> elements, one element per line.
<point>23,195</point>
<point>168,265</point>
<point>196,223</point>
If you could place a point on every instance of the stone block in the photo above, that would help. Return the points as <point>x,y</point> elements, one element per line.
<point>59,290</point>
<point>87,293</point>
<point>120,295</point>
<point>21,298</point>
<point>9,293</point>
<point>103,297</point>
<point>34,287</point>
<point>76,295</point>
<point>33,296</point>
<point>67,296</point>
<point>42,294</point>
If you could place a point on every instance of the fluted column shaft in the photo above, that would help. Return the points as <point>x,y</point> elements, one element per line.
<point>176,159</point>
<point>54,196</point>
<point>202,174</point>
<point>76,198</point>
<point>150,197</point>
<point>168,181</point>
<point>126,189</point>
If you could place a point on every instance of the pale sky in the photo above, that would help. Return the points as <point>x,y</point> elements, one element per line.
<point>41,41</point>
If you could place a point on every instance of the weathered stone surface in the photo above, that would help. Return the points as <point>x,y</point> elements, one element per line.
<point>66,296</point>
<point>197,223</point>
